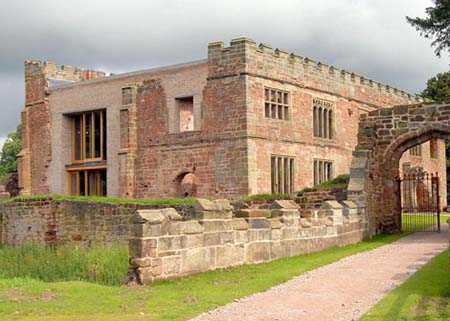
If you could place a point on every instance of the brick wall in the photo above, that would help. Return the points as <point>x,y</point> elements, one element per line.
<point>49,221</point>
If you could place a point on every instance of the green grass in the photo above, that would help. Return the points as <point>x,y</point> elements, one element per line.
<point>416,222</point>
<point>425,296</point>
<point>180,299</point>
<point>107,264</point>
<point>152,201</point>
<point>339,181</point>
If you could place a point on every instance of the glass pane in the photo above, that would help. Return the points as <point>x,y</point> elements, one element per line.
<point>88,135</point>
<point>104,134</point>
<point>92,175</point>
<point>103,190</point>
<point>82,183</point>
<point>73,183</point>
<point>97,135</point>
<point>77,137</point>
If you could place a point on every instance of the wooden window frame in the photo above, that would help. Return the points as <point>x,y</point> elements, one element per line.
<point>86,170</point>
<point>83,158</point>
<point>284,183</point>
<point>323,112</point>
<point>277,104</point>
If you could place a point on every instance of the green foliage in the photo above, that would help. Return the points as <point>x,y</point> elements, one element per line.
<point>424,296</point>
<point>265,196</point>
<point>8,155</point>
<point>101,264</point>
<point>175,300</point>
<point>339,181</point>
<point>151,201</point>
<point>436,25</point>
<point>438,88</point>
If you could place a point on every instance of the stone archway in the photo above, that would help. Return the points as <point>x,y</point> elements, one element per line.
<point>383,136</point>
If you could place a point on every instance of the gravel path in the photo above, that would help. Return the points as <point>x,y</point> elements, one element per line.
<point>343,290</point>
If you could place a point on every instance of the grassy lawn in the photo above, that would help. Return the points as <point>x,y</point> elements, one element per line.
<point>181,299</point>
<point>425,296</point>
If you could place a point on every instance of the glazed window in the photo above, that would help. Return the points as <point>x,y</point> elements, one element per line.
<point>323,171</point>
<point>323,118</point>
<point>276,104</point>
<point>416,150</point>
<point>89,137</point>
<point>89,182</point>
<point>282,174</point>
<point>434,148</point>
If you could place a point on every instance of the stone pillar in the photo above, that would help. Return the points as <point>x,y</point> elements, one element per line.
<point>334,211</point>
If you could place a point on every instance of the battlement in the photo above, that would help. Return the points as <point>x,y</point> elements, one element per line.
<point>64,73</point>
<point>245,56</point>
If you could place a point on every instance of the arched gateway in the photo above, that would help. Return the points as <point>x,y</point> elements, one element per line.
<point>383,136</point>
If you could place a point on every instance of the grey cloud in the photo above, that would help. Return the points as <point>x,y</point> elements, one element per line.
<point>369,37</point>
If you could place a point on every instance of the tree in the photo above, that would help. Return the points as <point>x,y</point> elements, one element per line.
<point>8,155</point>
<point>436,25</point>
<point>438,88</point>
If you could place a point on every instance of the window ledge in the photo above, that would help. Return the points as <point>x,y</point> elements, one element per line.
<point>102,163</point>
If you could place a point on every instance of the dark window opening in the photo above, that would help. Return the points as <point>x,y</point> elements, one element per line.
<point>282,174</point>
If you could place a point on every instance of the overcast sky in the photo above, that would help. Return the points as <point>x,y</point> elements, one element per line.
<point>366,36</point>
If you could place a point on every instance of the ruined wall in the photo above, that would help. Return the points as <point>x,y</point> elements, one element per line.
<point>164,247</point>
<point>122,125</point>
<point>303,79</point>
<point>36,154</point>
<point>48,221</point>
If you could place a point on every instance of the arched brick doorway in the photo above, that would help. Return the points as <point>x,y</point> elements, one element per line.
<point>384,135</point>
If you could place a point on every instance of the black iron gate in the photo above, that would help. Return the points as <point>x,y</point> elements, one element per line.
<point>419,199</point>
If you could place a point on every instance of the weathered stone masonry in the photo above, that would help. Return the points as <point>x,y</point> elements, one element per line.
<point>163,246</point>
<point>384,136</point>
<point>227,153</point>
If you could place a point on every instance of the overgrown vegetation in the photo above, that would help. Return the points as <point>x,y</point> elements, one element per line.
<point>101,264</point>
<point>424,296</point>
<point>339,181</point>
<point>8,155</point>
<point>152,201</point>
<point>180,299</point>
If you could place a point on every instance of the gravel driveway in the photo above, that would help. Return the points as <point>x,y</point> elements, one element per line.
<point>343,290</point>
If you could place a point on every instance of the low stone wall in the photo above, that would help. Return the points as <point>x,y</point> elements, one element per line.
<point>49,221</point>
<point>163,246</point>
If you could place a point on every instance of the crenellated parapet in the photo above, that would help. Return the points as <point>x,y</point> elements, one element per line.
<point>244,56</point>
<point>53,72</point>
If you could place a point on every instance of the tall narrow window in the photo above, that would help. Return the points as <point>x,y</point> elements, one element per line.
<point>323,171</point>
<point>323,112</point>
<point>434,148</point>
<point>282,174</point>
<point>416,150</point>
<point>276,104</point>
<point>185,108</point>
<point>89,137</point>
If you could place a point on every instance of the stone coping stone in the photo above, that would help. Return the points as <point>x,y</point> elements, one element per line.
<point>349,204</point>
<point>254,212</point>
<point>332,205</point>
<point>153,217</point>
<point>284,204</point>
